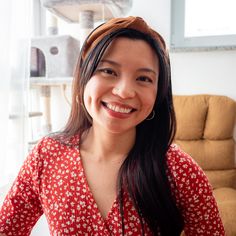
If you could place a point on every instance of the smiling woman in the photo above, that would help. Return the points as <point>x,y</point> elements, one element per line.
<point>113,170</point>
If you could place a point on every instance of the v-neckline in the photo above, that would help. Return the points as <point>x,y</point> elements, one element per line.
<point>114,204</point>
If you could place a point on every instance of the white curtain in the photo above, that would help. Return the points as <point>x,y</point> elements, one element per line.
<point>15,27</point>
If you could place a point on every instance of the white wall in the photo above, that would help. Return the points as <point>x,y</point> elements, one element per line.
<point>204,72</point>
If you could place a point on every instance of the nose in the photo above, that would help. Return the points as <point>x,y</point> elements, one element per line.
<point>124,89</point>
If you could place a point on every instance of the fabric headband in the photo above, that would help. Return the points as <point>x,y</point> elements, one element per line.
<point>114,24</point>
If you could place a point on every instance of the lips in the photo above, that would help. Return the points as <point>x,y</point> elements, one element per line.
<point>124,109</point>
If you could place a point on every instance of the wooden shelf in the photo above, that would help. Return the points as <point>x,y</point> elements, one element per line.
<point>33,142</point>
<point>44,81</point>
<point>35,113</point>
<point>31,114</point>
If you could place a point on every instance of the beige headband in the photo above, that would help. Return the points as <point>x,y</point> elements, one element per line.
<point>114,24</point>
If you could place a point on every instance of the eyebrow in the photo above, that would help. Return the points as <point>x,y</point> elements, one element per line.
<point>144,69</point>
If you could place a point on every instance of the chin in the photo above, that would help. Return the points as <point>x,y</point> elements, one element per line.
<point>120,130</point>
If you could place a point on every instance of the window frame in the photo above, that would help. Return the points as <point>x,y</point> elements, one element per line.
<point>179,42</point>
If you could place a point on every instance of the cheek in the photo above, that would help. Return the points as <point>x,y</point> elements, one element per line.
<point>149,99</point>
<point>91,92</point>
<point>87,96</point>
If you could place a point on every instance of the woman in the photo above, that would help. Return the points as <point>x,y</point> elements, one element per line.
<point>113,169</point>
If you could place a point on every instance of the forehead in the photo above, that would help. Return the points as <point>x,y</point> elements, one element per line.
<point>131,51</point>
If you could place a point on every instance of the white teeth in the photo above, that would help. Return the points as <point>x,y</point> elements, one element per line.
<point>119,109</point>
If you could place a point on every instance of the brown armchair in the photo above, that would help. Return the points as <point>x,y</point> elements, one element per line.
<point>205,125</point>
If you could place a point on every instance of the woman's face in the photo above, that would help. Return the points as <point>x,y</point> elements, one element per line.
<point>122,91</point>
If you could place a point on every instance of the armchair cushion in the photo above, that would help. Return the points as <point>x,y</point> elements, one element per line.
<point>205,125</point>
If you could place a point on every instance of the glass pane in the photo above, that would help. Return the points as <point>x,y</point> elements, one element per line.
<point>210,17</point>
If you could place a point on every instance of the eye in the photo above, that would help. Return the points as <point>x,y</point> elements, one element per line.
<point>107,71</point>
<point>145,79</point>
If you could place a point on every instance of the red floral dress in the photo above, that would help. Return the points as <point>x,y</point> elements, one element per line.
<point>52,181</point>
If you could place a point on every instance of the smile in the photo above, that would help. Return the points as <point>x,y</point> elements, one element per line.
<point>117,108</point>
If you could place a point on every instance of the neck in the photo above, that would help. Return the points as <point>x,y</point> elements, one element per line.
<point>106,146</point>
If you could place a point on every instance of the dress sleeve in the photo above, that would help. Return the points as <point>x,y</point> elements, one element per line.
<point>193,195</point>
<point>22,208</point>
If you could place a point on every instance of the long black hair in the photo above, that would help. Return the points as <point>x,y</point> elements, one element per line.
<point>143,173</point>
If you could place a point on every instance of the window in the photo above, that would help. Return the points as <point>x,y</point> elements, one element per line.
<point>203,24</point>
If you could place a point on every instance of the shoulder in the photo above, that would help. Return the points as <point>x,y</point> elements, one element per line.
<point>55,144</point>
<point>180,163</point>
<point>187,180</point>
<point>51,149</point>
<point>50,153</point>
<point>186,177</point>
